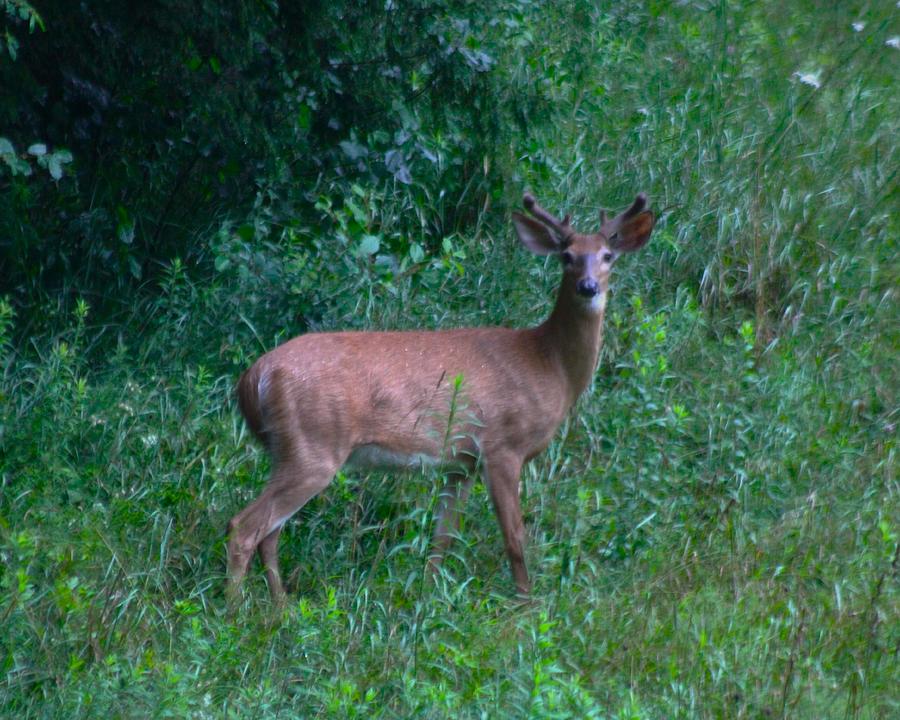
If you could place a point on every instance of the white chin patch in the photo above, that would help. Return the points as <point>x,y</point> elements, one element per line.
<point>597,303</point>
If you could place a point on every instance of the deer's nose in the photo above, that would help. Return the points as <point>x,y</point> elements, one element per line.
<point>587,287</point>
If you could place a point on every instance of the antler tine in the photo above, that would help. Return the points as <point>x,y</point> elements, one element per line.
<point>560,226</point>
<point>603,217</point>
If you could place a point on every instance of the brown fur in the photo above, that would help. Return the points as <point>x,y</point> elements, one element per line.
<point>248,402</point>
<point>493,396</point>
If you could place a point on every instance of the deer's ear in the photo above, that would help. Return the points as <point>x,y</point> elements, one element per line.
<point>634,232</point>
<point>534,235</point>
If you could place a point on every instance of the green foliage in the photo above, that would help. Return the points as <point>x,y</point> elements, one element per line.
<point>52,162</point>
<point>714,533</point>
<point>17,13</point>
<point>196,111</point>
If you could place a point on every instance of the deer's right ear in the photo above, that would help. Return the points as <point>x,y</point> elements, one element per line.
<point>534,235</point>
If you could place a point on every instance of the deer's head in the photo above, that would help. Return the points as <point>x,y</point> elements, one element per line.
<point>586,258</point>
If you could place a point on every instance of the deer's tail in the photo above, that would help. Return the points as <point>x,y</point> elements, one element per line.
<point>249,401</point>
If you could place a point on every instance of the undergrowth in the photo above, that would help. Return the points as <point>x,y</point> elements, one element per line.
<point>714,531</point>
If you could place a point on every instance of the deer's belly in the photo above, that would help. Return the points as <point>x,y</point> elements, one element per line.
<point>372,456</point>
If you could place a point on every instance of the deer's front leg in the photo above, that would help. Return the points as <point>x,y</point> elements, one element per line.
<point>502,474</point>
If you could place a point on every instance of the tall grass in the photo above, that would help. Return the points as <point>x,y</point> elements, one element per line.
<point>713,533</point>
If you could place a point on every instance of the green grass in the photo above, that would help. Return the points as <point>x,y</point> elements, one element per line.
<point>713,533</point>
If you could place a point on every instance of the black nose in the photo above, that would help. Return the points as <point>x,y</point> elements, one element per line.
<point>587,287</point>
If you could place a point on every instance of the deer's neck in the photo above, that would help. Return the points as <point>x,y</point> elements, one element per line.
<point>572,336</point>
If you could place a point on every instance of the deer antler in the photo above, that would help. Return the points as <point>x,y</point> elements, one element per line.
<point>562,228</point>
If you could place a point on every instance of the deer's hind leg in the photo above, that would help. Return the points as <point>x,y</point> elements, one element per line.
<point>452,498</point>
<point>268,553</point>
<point>258,526</point>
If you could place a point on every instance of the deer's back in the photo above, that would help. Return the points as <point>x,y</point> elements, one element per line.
<point>408,393</point>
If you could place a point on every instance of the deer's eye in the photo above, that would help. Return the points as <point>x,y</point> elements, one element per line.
<point>567,258</point>
<point>607,257</point>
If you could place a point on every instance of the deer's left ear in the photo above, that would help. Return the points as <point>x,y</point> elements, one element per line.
<point>633,233</point>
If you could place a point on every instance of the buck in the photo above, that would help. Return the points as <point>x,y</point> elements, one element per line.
<point>385,399</point>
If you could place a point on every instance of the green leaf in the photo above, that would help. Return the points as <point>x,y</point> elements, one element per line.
<point>370,244</point>
<point>52,162</point>
<point>416,253</point>
<point>358,213</point>
<point>125,233</point>
<point>12,46</point>
<point>19,166</point>
<point>354,150</point>
<point>304,117</point>
<point>37,149</point>
<point>125,225</point>
<point>55,167</point>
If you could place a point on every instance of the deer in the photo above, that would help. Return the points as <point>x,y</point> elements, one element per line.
<point>382,399</point>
